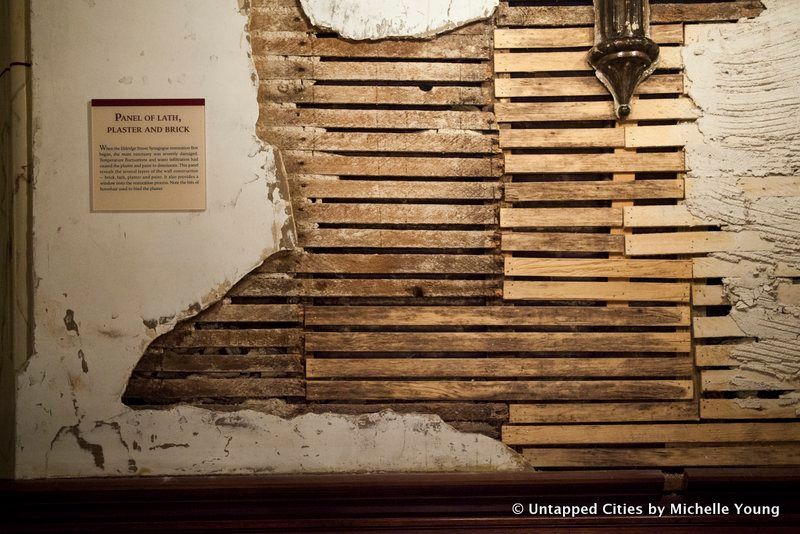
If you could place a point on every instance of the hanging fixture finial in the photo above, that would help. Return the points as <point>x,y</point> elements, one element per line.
<point>623,54</point>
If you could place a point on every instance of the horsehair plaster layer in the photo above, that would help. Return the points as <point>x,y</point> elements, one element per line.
<point>744,165</point>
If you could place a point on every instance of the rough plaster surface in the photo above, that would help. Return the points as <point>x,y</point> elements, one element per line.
<point>100,277</point>
<point>367,19</point>
<point>745,175</point>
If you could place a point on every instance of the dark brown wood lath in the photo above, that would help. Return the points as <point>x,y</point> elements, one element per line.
<point>455,266</point>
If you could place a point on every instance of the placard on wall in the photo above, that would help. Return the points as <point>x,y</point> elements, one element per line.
<point>148,155</point>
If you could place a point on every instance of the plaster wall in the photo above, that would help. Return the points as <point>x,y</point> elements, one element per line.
<point>745,165</point>
<point>367,19</point>
<point>106,284</point>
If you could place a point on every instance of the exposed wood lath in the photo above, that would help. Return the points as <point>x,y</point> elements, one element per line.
<point>481,239</point>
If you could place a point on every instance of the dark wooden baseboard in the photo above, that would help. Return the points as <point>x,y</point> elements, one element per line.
<point>400,502</point>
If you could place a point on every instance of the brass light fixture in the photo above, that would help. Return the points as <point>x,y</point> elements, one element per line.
<point>623,54</point>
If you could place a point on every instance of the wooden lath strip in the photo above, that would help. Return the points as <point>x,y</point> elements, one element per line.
<point>324,187</point>
<point>397,214</point>
<point>269,286</point>
<point>572,368</point>
<point>274,68</point>
<point>500,390</point>
<point>657,84</point>
<point>530,62</point>
<point>335,165</point>
<point>602,412</point>
<point>596,291</point>
<point>612,267</point>
<point>595,163</point>
<point>726,456</point>
<point>417,239</point>
<point>695,243</point>
<point>192,388</point>
<point>561,242</point>
<point>650,109</point>
<point>511,38</point>
<point>594,190</point>
<point>287,115</point>
<point>495,316</point>
<point>453,143</point>
<point>304,91</point>
<point>559,218</point>
<point>497,341</point>
<point>749,408</point>
<point>650,433</point>
<point>622,137</point>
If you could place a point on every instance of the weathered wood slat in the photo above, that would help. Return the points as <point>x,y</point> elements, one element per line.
<point>670,58</point>
<point>510,38</point>
<point>705,295</point>
<point>272,114</point>
<point>726,456</point>
<point>262,313</point>
<point>325,187</point>
<point>329,164</point>
<point>294,43</point>
<point>306,91</point>
<point>745,380</point>
<point>562,242</point>
<point>659,13</point>
<point>193,388</point>
<point>288,337</point>
<point>612,267</point>
<point>268,286</point>
<point>266,364</point>
<point>695,243</point>
<point>562,138</point>
<point>715,355</point>
<point>596,291</point>
<point>581,86</point>
<point>500,390</point>
<point>436,239</point>
<point>496,316</point>
<point>594,190</point>
<point>650,433</point>
<point>453,143</point>
<point>655,136</point>
<point>595,163</point>
<point>572,368</point>
<point>304,68</point>
<point>603,412</point>
<point>559,217</point>
<point>711,327</point>
<point>497,341</point>
<point>400,263</point>
<point>650,109</point>
<point>398,214</point>
<point>749,408</point>
<point>657,216</point>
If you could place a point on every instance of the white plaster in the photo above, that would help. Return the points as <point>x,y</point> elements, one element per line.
<point>744,155</point>
<point>116,270</point>
<point>367,19</point>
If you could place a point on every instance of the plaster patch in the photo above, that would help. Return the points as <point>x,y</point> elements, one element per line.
<point>744,158</point>
<point>367,19</point>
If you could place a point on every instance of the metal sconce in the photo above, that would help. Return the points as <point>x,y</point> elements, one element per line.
<point>623,54</point>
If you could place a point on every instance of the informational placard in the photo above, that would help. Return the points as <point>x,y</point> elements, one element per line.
<point>148,155</point>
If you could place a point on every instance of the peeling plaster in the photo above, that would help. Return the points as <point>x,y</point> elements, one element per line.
<point>130,277</point>
<point>367,19</point>
<point>744,161</point>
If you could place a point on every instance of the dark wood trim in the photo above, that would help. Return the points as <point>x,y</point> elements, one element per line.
<point>400,502</point>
